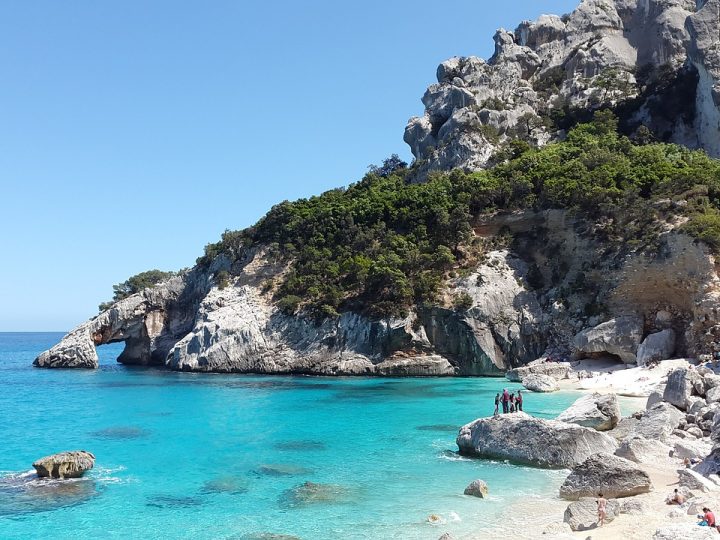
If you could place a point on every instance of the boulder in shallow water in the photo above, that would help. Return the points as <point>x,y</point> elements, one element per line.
<point>536,382</point>
<point>582,515</point>
<point>598,411</point>
<point>65,464</point>
<point>532,441</point>
<point>477,488</point>
<point>603,473</point>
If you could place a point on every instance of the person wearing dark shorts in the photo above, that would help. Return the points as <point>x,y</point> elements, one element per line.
<point>519,401</point>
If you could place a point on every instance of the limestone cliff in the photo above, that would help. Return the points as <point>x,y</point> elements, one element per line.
<point>527,300</point>
<point>656,62</point>
<point>561,287</point>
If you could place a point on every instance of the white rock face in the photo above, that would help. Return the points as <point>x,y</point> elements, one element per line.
<point>620,336</point>
<point>597,411</point>
<point>691,449</point>
<point>521,438</point>
<point>475,105</point>
<point>556,370</point>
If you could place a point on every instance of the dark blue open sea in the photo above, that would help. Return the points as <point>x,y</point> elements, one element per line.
<point>183,455</point>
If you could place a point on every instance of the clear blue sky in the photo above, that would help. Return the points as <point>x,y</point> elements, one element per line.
<point>132,133</point>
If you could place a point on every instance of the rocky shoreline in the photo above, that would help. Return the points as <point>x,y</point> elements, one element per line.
<point>636,461</point>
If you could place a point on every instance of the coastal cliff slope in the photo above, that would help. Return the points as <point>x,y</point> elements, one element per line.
<point>523,261</point>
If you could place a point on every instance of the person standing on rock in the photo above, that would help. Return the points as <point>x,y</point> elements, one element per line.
<point>602,509</point>
<point>512,402</point>
<point>519,402</point>
<point>505,400</point>
<point>497,403</point>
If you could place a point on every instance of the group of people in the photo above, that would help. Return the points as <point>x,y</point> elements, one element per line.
<point>707,518</point>
<point>509,401</point>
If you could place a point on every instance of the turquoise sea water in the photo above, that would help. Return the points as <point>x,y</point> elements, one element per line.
<point>184,455</point>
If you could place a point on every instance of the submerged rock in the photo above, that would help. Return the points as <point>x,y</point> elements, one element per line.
<point>612,476</point>
<point>641,450</point>
<point>477,488</point>
<point>282,470</point>
<point>523,439</point>
<point>268,536</point>
<point>65,464</point>
<point>597,411</point>
<point>311,493</point>
<point>26,493</point>
<point>225,484</point>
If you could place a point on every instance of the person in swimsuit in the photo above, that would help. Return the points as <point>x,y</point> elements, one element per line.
<point>518,401</point>
<point>505,400</point>
<point>602,509</point>
<point>707,517</point>
<point>512,403</point>
<point>677,498</point>
<point>497,403</point>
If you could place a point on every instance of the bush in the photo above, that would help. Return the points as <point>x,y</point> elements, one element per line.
<point>705,227</point>
<point>222,279</point>
<point>462,301</point>
<point>135,284</point>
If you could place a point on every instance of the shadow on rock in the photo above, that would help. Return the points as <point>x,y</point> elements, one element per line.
<point>301,446</point>
<point>120,433</point>
<point>25,493</point>
<point>311,493</point>
<point>281,470</point>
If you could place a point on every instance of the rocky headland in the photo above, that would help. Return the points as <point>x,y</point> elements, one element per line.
<point>492,284</point>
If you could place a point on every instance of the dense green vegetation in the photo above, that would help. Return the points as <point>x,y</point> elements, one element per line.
<point>383,244</point>
<point>135,284</point>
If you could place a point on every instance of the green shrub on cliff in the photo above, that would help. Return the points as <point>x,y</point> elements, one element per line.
<point>135,284</point>
<point>382,245</point>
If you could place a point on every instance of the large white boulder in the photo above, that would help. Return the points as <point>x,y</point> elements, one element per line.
<point>657,346</point>
<point>582,515</point>
<point>536,382</point>
<point>658,422</point>
<point>681,385</point>
<point>612,476</point>
<point>642,450</point>
<point>597,411</point>
<point>533,441</point>
<point>619,336</point>
<point>684,531</point>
